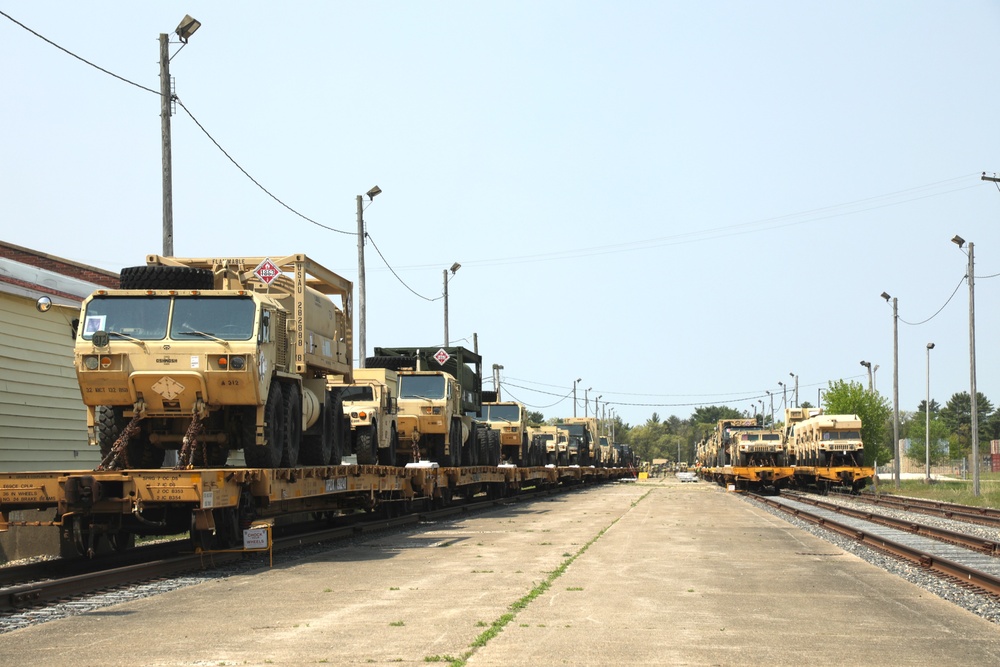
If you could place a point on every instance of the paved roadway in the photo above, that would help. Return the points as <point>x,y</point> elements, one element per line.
<point>661,573</point>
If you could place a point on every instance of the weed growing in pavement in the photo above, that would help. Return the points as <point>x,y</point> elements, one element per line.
<point>498,625</point>
<point>574,588</point>
<point>397,624</point>
<point>393,588</point>
<point>440,658</point>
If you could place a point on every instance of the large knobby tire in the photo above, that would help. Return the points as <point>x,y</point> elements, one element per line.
<point>269,454</point>
<point>142,454</point>
<point>293,421</point>
<point>392,363</point>
<point>109,422</point>
<point>367,445</point>
<point>494,439</point>
<point>166,277</point>
<point>387,455</point>
<point>317,448</point>
<point>483,443</point>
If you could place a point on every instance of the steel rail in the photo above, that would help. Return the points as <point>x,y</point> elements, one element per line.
<point>964,574</point>
<point>986,516</point>
<point>973,542</point>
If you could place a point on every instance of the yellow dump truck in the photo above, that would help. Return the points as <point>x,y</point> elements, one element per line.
<point>209,355</point>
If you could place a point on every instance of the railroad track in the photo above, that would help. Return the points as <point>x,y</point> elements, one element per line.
<point>984,516</point>
<point>39,584</point>
<point>967,559</point>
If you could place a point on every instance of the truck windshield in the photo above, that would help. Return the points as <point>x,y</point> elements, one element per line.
<point>501,413</point>
<point>140,317</point>
<point>421,386</point>
<point>228,318</point>
<point>348,394</point>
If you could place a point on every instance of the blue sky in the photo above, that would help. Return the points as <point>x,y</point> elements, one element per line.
<point>679,203</point>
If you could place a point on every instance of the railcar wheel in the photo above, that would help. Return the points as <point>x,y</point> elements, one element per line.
<point>121,540</point>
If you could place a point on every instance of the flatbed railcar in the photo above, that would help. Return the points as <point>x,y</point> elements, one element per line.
<point>95,509</point>
<point>757,478</point>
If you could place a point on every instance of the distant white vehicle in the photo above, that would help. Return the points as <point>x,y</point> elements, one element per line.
<point>687,477</point>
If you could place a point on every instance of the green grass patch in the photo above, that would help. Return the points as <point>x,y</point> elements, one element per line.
<point>948,491</point>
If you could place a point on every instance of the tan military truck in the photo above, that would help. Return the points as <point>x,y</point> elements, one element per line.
<point>743,442</point>
<point>370,409</point>
<point>584,447</point>
<point>510,420</point>
<point>440,403</point>
<point>827,440</point>
<point>609,453</point>
<point>209,355</point>
<point>552,442</point>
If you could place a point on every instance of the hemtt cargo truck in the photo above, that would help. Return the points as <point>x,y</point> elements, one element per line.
<point>210,355</point>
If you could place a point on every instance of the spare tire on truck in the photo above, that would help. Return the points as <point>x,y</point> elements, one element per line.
<point>392,363</point>
<point>166,277</point>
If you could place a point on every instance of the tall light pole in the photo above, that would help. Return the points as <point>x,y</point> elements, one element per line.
<point>496,379</point>
<point>973,402</point>
<point>361,275</point>
<point>868,365</point>
<point>895,385</point>
<point>454,267</point>
<point>185,29</point>
<point>784,394</point>
<point>597,410</point>
<point>819,398</point>
<point>927,424</point>
<point>574,395</point>
<point>771,396</point>
<point>796,388</point>
<point>586,401</point>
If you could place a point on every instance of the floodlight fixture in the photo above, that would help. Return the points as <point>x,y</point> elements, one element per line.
<point>958,240</point>
<point>187,27</point>
<point>373,192</point>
